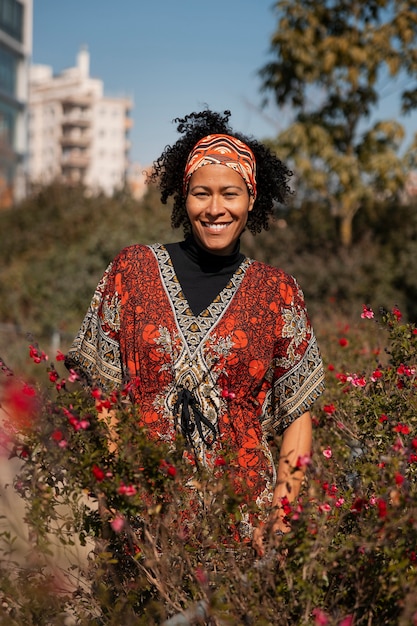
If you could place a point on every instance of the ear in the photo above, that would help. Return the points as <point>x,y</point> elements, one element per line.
<point>251,203</point>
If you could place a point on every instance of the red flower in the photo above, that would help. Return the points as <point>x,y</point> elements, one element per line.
<point>343,342</point>
<point>60,356</point>
<point>96,393</point>
<point>286,506</point>
<point>382,508</point>
<point>402,428</point>
<point>37,355</point>
<point>399,479</point>
<point>375,375</point>
<point>397,313</point>
<point>21,402</point>
<point>219,461</point>
<point>57,435</point>
<point>329,409</point>
<point>98,473</point>
<point>358,505</point>
<point>383,418</point>
<point>53,376</point>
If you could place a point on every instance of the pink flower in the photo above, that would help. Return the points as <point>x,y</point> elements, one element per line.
<point>347,621</point>
<point>398,445</point>
<point>117,523</point>
<point>325,508</point>
<point>356,381</point>
<point>229,395</point>
<point>320,617</point>
<point>339,502</point>
<point>201,576</point>
<point>127,490</point>
<point>367,312</point>
<point>73,376</point>
<point>304,460</point>
<point>327,453</point>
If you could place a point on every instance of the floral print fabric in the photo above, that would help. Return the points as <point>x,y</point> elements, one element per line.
<point>249,364</point>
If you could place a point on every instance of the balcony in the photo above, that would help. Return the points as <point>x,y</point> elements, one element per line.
<point>76,118</point>
<point>76,159</point>
<point>75,140</point>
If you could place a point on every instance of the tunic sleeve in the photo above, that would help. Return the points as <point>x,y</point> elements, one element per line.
<point>95,351</point>
<point>296,374</point>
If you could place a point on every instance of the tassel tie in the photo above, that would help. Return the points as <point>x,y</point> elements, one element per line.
<point>186,401</point>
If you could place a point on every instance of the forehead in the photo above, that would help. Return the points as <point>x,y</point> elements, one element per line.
<point>216,175</point>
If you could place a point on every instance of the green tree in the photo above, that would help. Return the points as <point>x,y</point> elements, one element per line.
<point>331,58</point>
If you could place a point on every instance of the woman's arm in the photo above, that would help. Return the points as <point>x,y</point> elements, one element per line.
<point>296,443</point>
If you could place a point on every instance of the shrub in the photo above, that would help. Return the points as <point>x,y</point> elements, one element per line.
<point>154,553</point>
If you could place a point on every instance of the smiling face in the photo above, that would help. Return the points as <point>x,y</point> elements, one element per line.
<point>218,203</point>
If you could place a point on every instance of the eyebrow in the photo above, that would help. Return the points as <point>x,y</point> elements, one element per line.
<point>208,187</point>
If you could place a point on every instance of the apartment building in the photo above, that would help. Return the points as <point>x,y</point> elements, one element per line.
<point>76,133</point>
<point>16,20</point>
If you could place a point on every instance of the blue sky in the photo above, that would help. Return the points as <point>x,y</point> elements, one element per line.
<point>171,56</point>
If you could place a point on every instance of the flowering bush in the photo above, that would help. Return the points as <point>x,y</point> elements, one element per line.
<point>154,554</point>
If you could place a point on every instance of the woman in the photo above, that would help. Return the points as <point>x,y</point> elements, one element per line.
<point>220,346</point>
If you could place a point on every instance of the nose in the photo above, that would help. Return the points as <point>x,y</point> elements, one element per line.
<point>215,206</point>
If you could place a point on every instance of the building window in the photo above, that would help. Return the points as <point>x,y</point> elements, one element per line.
<point>7,126</point>
<point>8,68</point>
<point>11,18</point>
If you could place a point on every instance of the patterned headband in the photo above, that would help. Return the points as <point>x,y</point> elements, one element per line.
<point>222,150</point>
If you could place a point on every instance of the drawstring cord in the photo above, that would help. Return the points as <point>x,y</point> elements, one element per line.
<point>186,401</point>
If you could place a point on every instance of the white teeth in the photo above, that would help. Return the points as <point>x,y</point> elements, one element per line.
<point>215,226</point>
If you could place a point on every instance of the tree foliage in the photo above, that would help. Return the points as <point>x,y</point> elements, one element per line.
<point>331,58</point>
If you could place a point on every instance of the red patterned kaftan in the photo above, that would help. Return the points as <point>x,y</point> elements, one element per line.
<point>250,360</point>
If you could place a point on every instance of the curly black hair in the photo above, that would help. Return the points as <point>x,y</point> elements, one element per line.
<point>168,170</point>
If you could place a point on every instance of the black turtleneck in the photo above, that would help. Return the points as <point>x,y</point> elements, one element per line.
<point>202,275</point>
